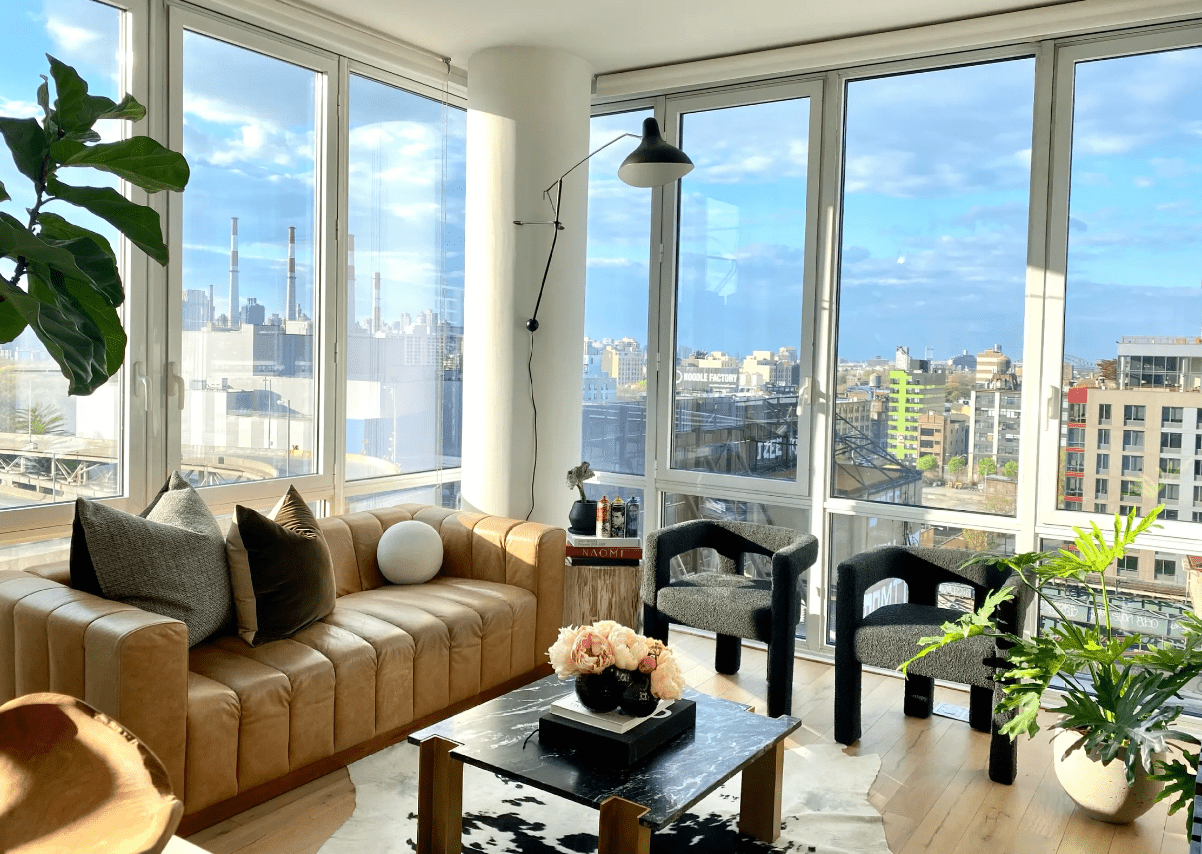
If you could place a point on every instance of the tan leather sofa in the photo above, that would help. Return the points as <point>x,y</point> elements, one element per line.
<point>234,724</point>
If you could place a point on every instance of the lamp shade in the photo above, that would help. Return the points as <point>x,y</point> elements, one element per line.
<point>655,162</point>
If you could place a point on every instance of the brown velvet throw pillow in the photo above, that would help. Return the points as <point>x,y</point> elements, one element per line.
<point>281,570</point>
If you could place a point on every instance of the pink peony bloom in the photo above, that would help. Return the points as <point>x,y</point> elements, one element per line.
<point>591,652</point>
<point>647,663</point>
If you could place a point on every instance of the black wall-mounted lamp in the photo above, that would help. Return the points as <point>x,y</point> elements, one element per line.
<point>653,163</point>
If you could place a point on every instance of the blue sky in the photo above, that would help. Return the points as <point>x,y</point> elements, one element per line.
<point>934,232</point>
<point>935,220</point>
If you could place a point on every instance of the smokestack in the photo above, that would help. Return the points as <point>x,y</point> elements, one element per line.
<point>292,313</point>
<point>234,320</point>
<point>350,281</point>
<point>375,302</point>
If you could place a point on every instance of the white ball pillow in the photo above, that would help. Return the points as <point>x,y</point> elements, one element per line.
<point>409,553</point>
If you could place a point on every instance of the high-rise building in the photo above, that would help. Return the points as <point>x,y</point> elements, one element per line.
<point>197,310</point>
<point>1140,444</point>
<point>913,390</point>
<point>995,416</point>
<point>992,368</point>
<point>252,313</point>
<point>232,314</point>
<point>293,307</point>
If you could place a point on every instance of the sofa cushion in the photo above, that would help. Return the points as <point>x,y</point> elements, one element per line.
<point>169,560</point>
<point>281,569</point>
<point>409,552</point>
<point>264,700</point>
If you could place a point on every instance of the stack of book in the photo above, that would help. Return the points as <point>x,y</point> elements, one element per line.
<point>604,551</point>
<point>613,739</point>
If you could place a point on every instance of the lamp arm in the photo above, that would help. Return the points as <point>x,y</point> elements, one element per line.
<point>585,159</point>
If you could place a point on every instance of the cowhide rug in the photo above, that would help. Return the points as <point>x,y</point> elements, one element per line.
<point>825,805</point>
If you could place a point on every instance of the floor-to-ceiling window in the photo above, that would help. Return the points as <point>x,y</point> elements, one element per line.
<point>55,447</point>
<point>236,370</point>
<point>250,313</point>
<point>404,287</point>
<point>950,312</point>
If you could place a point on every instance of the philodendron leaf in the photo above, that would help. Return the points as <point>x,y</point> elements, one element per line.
<point>970,625</point>
<point>18,242</point>
<point>27,143</point>
<point>139,160</point>
<point>12,323</point>
<point>1180,787</point>
<point>140,224</point>
<point>4,196</point>
<point>93,255</point>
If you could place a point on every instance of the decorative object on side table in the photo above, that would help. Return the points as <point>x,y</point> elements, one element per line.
<point>615,667</point>
<point>1117,685</point>
<point>583,515</point>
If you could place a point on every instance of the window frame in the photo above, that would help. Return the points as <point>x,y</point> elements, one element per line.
<point>140,275</point>
<point>666,478</point>
<point>1066,55</point>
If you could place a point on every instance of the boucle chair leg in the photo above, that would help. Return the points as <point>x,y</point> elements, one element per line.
<point>980,708</point>
<point>848,678</point>
<point>728,654</point>
<point>780,677</point>
<point>1003,758</point>
<point>654,624</point>
<point>920,696</point>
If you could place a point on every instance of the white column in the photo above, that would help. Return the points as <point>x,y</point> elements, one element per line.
<point>527,124</point>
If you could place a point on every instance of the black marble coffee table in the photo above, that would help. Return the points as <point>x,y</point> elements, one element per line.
<point>727,739</point>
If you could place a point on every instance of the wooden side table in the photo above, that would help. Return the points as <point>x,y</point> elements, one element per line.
<point>592,593</point>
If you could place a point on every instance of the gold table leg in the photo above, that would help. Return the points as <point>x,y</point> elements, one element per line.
<point>759,803</point>
<point>439,798</point>
<point>619,829</point>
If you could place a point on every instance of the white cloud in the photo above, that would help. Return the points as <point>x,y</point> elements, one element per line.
<point>616,263</point>
<point>19,109</point>
<point>415,211</point>
<point>69,38</point>
<point>1142,181</point>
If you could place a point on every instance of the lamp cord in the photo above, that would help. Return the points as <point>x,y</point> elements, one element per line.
<point>534,407</point>
<point>532,325</point>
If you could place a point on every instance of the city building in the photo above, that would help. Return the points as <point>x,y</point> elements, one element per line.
<point>299,365</point>
<point>914,389</point>
<point>994,423</point>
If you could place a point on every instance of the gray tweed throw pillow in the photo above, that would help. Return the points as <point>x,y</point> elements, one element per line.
<point>170,560</point>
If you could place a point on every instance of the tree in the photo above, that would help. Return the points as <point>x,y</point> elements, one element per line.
<point>956,465</point>
<point>1010,469</point>
<point>927,462</point>
<point>986,467</point>
<point>39,421</point>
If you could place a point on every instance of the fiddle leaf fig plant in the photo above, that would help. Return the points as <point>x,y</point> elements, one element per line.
<point>64,282</point>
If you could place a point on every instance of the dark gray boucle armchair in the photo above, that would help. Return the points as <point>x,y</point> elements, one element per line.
<point>730,602</point>
<point>889,636</point>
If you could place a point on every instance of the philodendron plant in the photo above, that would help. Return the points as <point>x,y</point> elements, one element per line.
<point>72,285</point>
<point>1118,688</point>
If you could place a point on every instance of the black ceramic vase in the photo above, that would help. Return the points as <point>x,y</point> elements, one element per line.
<point>583,518</point>
<point>600,692</point>
<point>637,699</point>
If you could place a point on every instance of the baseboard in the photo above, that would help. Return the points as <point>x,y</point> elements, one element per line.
<point>210,815</point>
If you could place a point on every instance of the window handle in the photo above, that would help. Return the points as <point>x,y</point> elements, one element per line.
<point>1053,403</point>
<point>175,384</point>
<point>141,381</point>
<point>807,393</point>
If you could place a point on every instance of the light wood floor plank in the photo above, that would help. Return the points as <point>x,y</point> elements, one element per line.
<point>933,788</point>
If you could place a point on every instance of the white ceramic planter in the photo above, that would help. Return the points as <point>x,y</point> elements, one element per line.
<point>1101,790</point>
